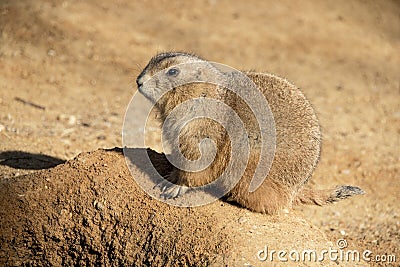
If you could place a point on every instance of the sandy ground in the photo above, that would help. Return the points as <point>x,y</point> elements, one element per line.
<point>68,69</point>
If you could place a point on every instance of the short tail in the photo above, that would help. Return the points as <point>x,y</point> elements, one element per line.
<point>327,196</point>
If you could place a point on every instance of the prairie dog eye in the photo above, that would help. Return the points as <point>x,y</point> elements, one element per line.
<point>173,72</point>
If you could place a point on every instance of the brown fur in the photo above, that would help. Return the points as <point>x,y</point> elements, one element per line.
<point>298,140</point>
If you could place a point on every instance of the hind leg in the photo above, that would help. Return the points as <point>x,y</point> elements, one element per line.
<point>269,198</point>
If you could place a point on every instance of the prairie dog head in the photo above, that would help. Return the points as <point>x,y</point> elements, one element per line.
<point>168,71</point>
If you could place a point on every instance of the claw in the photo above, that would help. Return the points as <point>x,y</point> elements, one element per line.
<point>163,185</point>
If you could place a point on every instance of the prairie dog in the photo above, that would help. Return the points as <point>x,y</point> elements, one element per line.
<point>298,138</point>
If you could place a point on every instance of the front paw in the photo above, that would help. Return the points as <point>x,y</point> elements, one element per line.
<point>170,190</point>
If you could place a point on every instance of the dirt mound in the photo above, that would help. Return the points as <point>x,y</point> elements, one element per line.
<point>89,211</point>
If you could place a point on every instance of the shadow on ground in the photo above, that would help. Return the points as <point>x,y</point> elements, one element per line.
<point>28,161</point>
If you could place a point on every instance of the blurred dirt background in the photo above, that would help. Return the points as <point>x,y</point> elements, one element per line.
<point>67,71</point>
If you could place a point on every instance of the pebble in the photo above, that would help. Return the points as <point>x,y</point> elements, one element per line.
<point>242,220</point>
<point>72,120</point>
<point>346,171</point>
<point>51,52</point>
<point>98,205</point>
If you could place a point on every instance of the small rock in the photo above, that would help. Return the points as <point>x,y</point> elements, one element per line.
<point>51,52</point>
<point>337,214</point>
<point>72,120</point>
<point>242,220</point>
<point>61,117</point>
<point>98,205</point>
<point>339,87</point>
<point>346,171</point>
<point>101,137</point>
